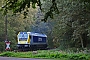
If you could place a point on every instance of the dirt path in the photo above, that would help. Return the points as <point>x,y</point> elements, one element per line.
<point>13,58</point>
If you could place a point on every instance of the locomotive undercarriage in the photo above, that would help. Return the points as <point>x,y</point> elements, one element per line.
<point>25,47</point>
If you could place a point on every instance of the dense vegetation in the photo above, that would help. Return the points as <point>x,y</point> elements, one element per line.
<point>50,54</point>
<point>66,22</point>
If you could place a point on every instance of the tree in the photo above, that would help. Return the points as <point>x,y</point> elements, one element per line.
<point>71,25</point>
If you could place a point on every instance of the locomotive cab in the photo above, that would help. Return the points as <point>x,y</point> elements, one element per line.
<point>23,40</point>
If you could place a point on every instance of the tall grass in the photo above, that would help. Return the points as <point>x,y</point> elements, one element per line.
<point>48,54</point>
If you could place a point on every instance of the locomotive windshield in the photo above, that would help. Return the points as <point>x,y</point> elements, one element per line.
<point>23,37</point>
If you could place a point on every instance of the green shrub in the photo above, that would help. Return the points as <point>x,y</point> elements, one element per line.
<point>50,54</point>
<point>8,54</point>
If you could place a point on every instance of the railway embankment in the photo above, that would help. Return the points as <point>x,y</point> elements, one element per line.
<point>48,54</point>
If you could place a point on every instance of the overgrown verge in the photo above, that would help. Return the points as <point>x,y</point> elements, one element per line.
<point>48,54</point>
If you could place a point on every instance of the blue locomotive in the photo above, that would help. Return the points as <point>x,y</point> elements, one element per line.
<point>30,41</point>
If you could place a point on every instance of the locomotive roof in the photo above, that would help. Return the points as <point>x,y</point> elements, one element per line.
<point>37,34</point>
<point>34,34</point>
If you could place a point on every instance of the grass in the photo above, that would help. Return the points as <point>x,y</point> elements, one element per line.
<point>48,54</point>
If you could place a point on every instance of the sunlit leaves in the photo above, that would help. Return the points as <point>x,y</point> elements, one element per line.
<point>21,5</point>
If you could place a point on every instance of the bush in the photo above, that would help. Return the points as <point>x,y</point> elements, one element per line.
<point>8,54</point>
<point>50,54</point>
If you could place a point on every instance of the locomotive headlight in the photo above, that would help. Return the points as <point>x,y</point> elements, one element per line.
<point>26,42</point>
<point>18,42</point>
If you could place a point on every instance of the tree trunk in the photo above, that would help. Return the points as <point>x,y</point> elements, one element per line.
<point>81,41</point>
<point>84,37</point>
